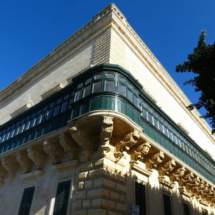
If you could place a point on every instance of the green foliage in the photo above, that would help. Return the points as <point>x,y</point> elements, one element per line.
<point>202,63</point>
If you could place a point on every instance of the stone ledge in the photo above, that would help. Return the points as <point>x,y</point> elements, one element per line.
<point>52,90</point>
<point>63,166</point>
<point>137,167</point>
<point>31,175</point>
<point>20,110</point>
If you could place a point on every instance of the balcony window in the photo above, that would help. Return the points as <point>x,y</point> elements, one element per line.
<point>97,86</point>
<point>121,89</point>
<point>110,86</point>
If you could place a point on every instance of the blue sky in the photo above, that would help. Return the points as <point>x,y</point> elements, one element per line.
<point>29,30</point>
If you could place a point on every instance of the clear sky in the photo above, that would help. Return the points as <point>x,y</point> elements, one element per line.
<point>29,30</point>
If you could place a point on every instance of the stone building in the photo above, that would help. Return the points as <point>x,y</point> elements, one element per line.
<point>83,133</point>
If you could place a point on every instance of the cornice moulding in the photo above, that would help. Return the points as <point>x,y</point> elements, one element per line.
<point>52,90</point>
<point>20,110</point>
<point>31,175</point>
<point>64,166</point>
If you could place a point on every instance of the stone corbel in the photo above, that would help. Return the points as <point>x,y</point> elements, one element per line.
<point>106,134</point>
<point>69,146</point>
<point>164,181</point>
<point>201,187</point>
<point>106,130</point>
<point>23,159</point>
<point>54,150</point>
<point>2,175</point>
<point>10,166</point>
<point>178,174</point>
<point>155,160</point>
<point>37,156</point>
<point>138,152</point>
<point>125,143</point>
<point>88,142</point>
<point>167,167</point>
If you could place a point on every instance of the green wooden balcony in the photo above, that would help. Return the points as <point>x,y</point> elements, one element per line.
<point>105,87</point>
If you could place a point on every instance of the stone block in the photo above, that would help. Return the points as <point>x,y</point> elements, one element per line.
<point>97,173</point>
<point>122,198</point>
<point>103,203</point>
<point>86,166</point>
<point>121,207</point>
<point>120,188</point>
<point>78,205</point>
<point>86,203</point>
<point>81,194</point>
<point>114,196</point>
<point>89,184</point>
<point>111,213</point>
<point>97,212</point>
<point>103,182</point>
<point>121,179</point>
<point>83,176</point>
<point>82,212</point>
<point>104,162</point>
<point>96,193</point>
<point>81,185</point>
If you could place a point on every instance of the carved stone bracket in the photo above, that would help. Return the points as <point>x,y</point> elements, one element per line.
<point>106,130</point>
<point>165,182</point>
<point>2,175</point>
<point>139,151</point>
<point>87,141</point>
<point>178,174</point>
<point>125,143</point>
<point>54,150</point>
<point>155,160</point>
<point>10,166</point>
<point>37,156</point>
<point>167,167</point>
<point>23,159</point>
<point>69,145</point>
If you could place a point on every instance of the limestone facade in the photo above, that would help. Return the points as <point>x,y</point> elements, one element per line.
<point>103,153</point>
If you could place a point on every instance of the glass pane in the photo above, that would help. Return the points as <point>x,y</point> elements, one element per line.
<point>58,101</point>
<point>87,90</point>
<point>120,78</point>
<point>66,97</point>
<point>156,123</point>
<point>43,118</point>
<point>78,95</point>
<point>150,118</point>
<point>80,85</point>
<point>166,132</point>
<point>49,114</point>
<point>110,86</point>
<point>129,95</point>
<point>51,105</point>
<point>88,81</point>
<point>70,103</point>
<point>64,106</point>
<point>121,89</point>
<point>175,139</point>
<point>145,114</point>
<point>136,101</point>
<point>99,76</point>
<point>109,75</point>
<point>56,110</point>
<point>97,86</point>
<point>45,108</point>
